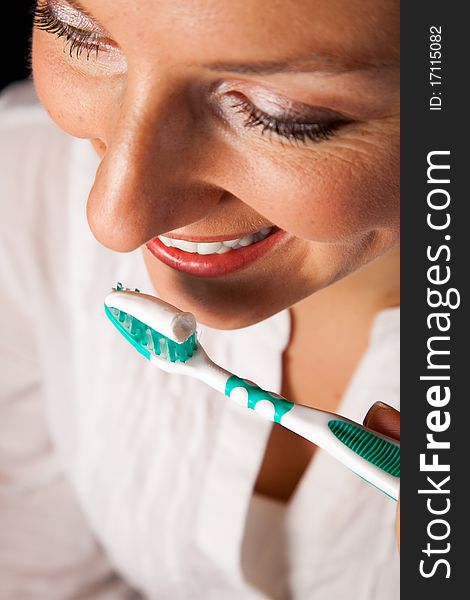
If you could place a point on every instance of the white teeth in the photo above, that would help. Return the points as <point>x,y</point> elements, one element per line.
<point>230,243</point>
<point>185,245</point>
<point>206,248</point>
<point>165,240</point>
<point>247,240</point>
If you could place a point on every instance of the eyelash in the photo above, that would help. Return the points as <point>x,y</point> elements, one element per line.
<point>294,131</point>
<point>291,130</point>
<point>77,39</point>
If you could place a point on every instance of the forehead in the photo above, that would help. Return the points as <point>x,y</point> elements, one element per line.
<point>364,30</point>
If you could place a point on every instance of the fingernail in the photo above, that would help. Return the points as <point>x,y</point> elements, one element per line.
<point>374,407</point>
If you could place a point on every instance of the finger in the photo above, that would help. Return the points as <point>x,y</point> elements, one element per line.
<point>384,419</point>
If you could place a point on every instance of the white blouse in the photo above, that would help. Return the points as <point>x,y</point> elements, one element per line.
<point>120,481</point>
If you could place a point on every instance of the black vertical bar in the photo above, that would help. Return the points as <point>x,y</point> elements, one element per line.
<point>434,119</point>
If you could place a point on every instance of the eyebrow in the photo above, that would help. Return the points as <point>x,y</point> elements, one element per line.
<point>316,62</point>
<point>322,62</point>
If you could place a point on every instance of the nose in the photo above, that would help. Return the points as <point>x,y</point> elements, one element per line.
<point>148,181</point>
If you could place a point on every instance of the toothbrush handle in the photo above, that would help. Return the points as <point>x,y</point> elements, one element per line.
<point>374,457</point>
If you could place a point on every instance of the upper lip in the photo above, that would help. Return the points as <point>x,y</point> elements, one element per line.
<point>214,238</point>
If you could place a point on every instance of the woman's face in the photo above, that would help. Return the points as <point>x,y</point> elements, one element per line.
<point>217,119</point>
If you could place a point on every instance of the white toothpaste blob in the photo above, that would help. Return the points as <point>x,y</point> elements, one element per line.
<point>161,316</point>
<point>206,248</point>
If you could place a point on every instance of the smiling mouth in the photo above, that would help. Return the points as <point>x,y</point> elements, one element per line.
<point>211,257</point>
<point>217,247</point>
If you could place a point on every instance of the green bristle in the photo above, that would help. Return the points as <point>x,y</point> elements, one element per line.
<point>374,449</point>
<point>137,333</point>
<point>187,348</point>
<point>172,352</point>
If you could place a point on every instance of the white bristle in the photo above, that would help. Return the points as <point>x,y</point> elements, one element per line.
<point>127,322</point>
<point>151,346</point>
<point>163,349</point>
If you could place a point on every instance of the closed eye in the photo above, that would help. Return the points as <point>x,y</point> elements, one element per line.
<point>77,40</point>
<point>288,128</point>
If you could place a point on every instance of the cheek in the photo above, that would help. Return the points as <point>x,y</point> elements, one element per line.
<point>329,200</point>
<point>69,96</point>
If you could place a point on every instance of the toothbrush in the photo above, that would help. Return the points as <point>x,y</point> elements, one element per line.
<point>166,336</point>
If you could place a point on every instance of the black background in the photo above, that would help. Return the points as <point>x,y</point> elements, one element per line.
<point>15,40</point>
<point>424,131</point>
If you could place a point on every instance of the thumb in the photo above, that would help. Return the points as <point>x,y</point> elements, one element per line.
<point>383,419</point>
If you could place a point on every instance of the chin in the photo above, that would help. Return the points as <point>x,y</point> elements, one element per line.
<point>230,310</point>
<point>239,298</point>
<point>232,302</point>
<point>247,296</point>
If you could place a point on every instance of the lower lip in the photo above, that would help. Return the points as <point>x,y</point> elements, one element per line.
<point>214,265</point>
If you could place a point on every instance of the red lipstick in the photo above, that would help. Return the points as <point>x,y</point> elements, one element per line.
<point>214,265</point>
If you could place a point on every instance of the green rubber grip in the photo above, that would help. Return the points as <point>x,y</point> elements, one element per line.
<point>374,449</point>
